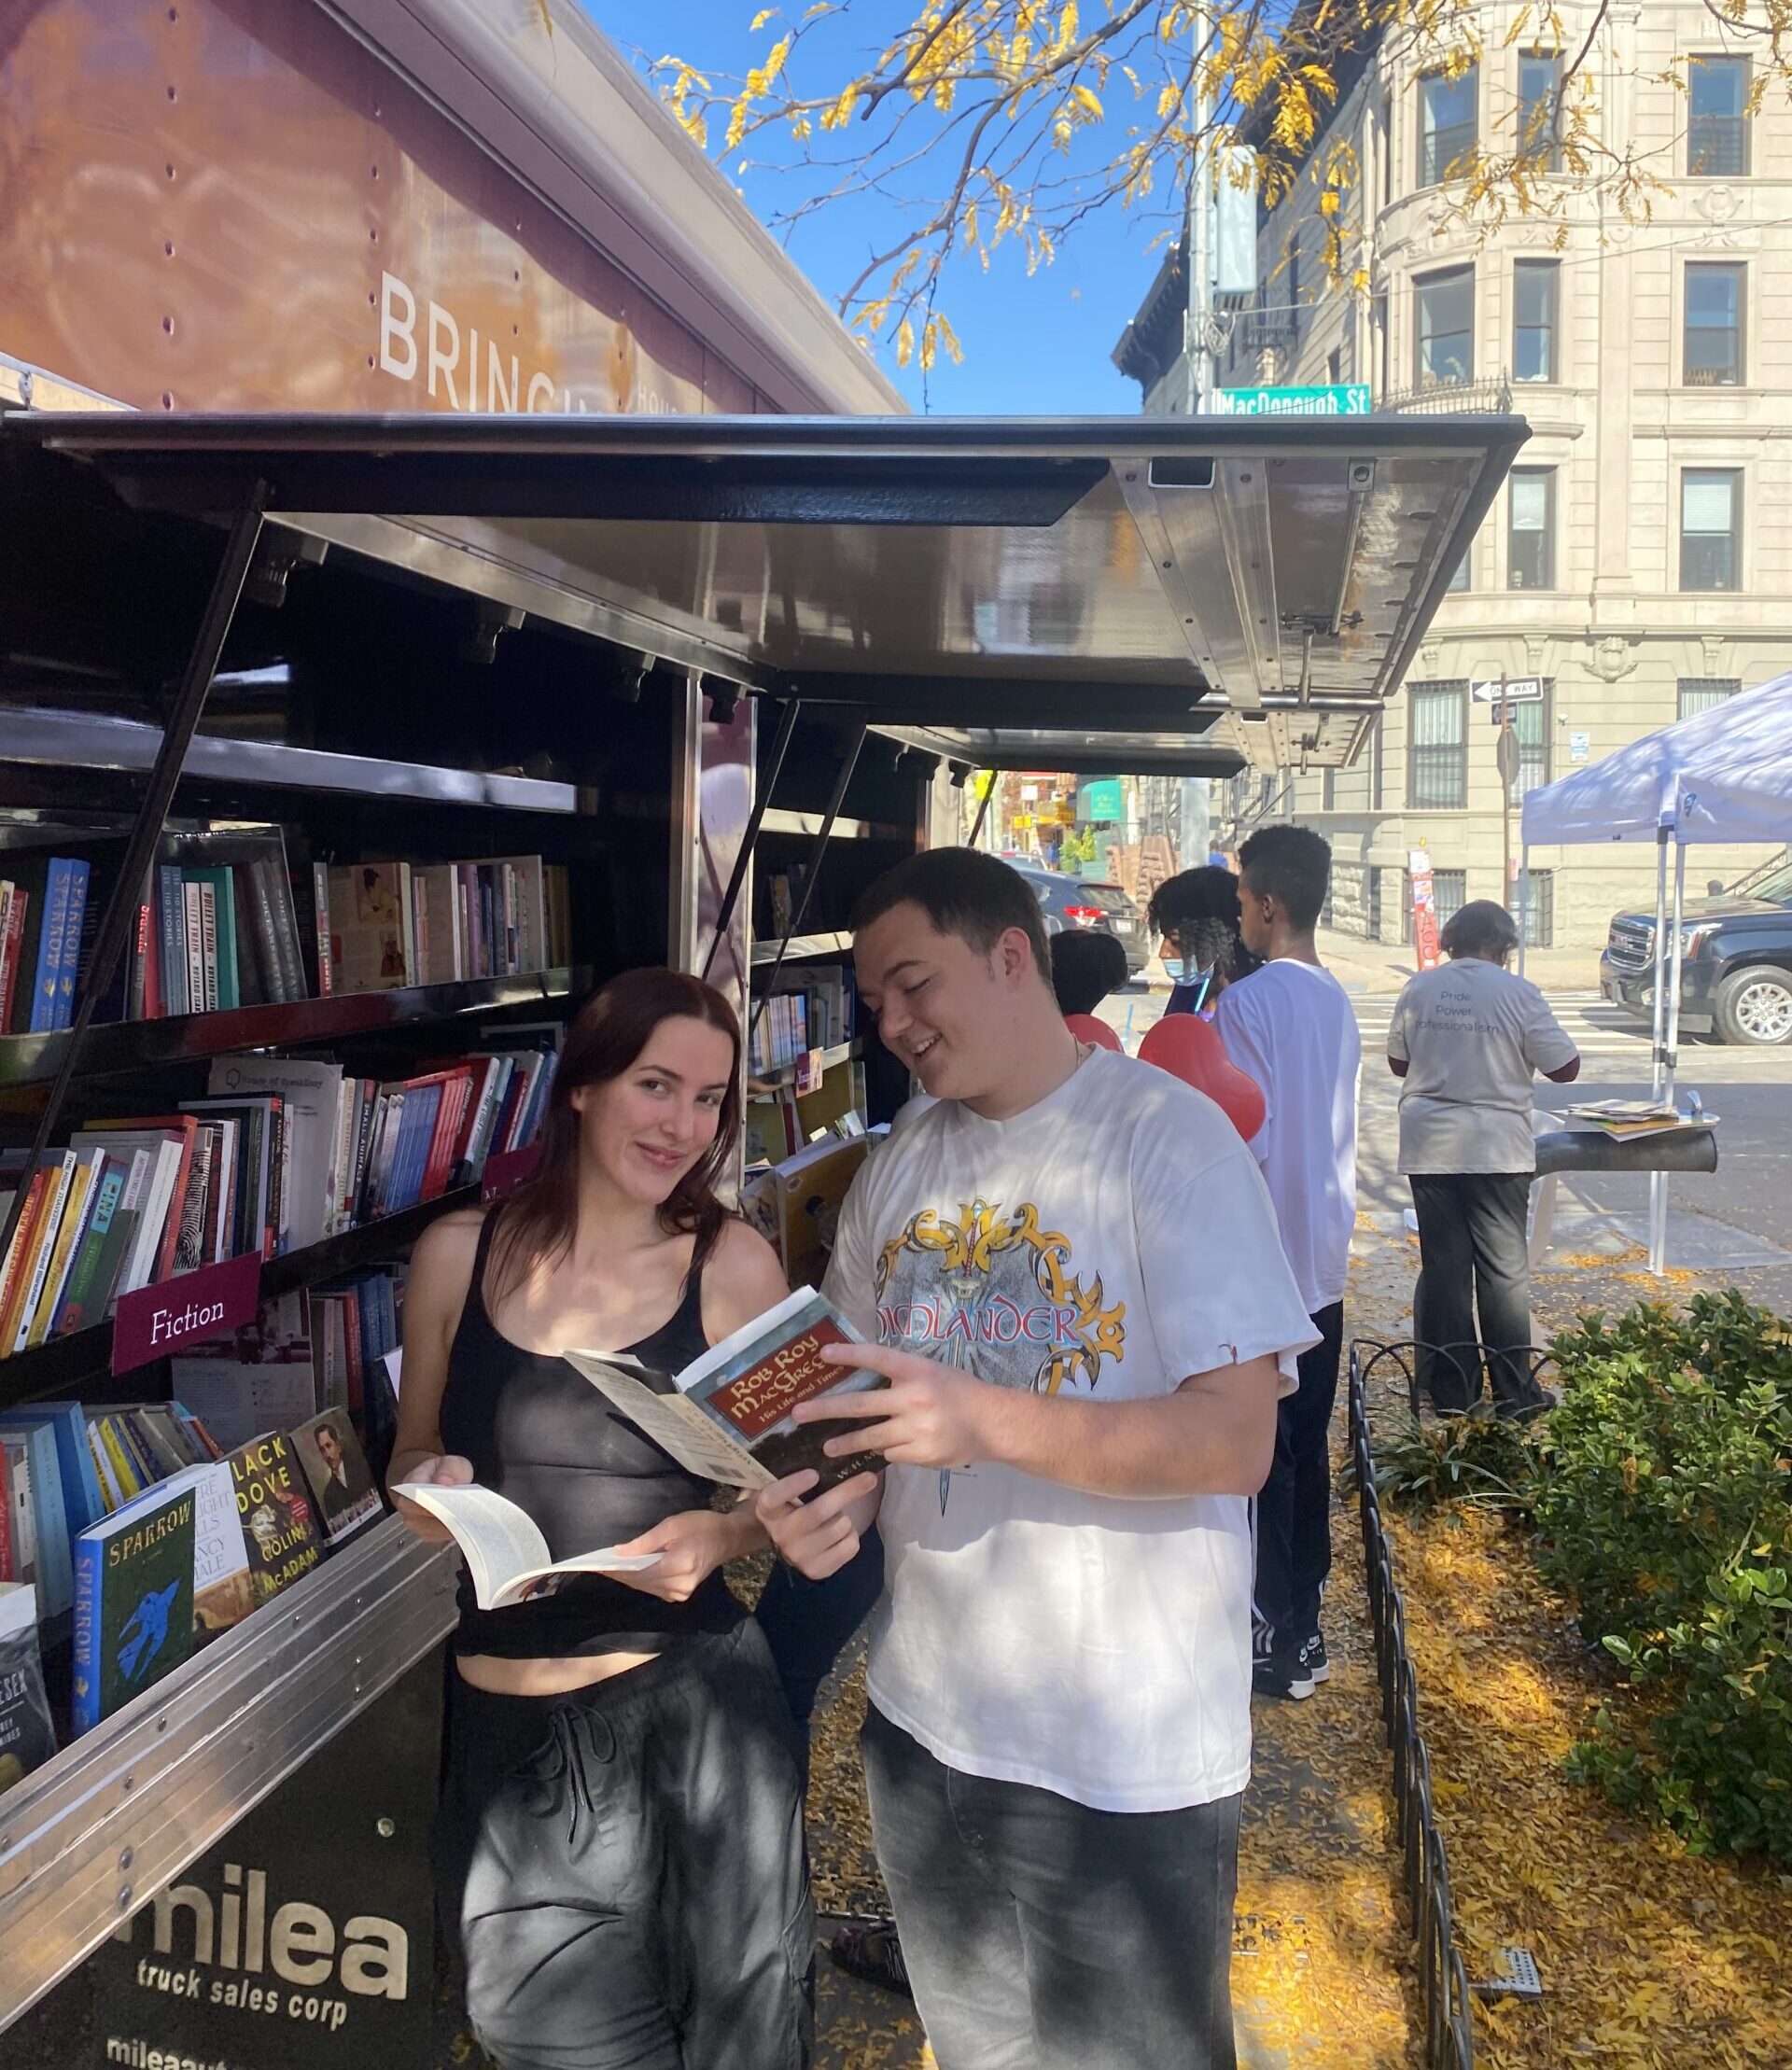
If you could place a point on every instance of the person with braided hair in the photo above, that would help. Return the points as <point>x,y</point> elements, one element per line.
<point>1197,913</point>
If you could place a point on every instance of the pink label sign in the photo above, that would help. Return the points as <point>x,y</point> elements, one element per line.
<point>508,1170</point>
<point>157,1319</point>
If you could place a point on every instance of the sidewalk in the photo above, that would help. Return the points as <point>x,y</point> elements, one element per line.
<point>1382,967</point>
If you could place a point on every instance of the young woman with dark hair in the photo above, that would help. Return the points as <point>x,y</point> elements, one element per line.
<point>1197,913</point>
<point>619,1846</point>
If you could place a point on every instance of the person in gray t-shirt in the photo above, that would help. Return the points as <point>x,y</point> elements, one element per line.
<point>1468,1039</point>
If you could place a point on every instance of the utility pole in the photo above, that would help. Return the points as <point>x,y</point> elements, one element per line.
<point>1200,258</point>
<point>1507,759</point>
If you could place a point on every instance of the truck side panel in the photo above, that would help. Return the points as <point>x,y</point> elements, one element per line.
<point>234,205</point>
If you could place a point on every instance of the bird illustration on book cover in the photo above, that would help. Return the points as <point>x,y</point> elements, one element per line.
<point>146,1631</point>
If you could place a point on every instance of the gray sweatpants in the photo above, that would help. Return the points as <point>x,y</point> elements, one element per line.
<point>622,1869</point>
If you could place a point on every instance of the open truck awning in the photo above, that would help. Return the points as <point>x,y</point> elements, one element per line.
<point>1128,593</point>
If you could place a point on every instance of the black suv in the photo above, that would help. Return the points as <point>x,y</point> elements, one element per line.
<point>1736,967</point>
<point>1066,902</point>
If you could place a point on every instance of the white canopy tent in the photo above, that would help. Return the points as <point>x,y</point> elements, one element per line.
<point>1724,775</point>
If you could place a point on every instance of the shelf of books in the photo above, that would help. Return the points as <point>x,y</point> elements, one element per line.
<point>123,1809</point>
<point>341,982</point>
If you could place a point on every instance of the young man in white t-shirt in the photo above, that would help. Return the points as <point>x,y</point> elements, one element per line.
<point>1291,1026</point>
<point>1069,1268</point>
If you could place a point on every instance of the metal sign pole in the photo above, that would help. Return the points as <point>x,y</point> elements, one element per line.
<point>1659,1200</point>
<point>983,812</point>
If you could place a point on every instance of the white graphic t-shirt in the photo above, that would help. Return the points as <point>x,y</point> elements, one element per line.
<point>1109,1242</point>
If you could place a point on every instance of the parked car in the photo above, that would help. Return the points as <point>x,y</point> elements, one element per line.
<point>1736,963</point>
<point>1066,901</point>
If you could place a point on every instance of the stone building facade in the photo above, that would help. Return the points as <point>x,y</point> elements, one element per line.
<point>1639,561</point>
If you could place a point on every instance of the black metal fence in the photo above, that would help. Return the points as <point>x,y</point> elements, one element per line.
<point>1443,1977</point>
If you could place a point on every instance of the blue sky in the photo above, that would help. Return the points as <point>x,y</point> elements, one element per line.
<point>1031,346</point>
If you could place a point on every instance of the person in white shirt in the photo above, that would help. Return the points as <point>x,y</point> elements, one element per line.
<point>1291,1026</point>
<point>1467,1039</point>
<point>1069,1273</point>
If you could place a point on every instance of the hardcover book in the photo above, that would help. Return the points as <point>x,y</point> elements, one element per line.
<point>727,1415</point>
<point>27,1736</point>
<point>279,1525</point>
<point>336,1473</point>
<point>133,1601</point>
<point>507,1557</point>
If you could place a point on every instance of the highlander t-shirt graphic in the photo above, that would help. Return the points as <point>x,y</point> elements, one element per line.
<point>993,1292</point>
<point>1102,1247</point>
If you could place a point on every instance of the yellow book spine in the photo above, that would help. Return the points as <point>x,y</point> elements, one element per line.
<point>129,1480</point>
<point>74,1216</point>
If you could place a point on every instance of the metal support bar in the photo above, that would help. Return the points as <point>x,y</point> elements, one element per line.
<point>119,921</point>
<point>749,841</point>
<point>983,812</point>
<point>802,909</point>
<point>1670,1061</point>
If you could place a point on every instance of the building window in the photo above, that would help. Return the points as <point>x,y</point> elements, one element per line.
<point>1713,356</point>
<point>1460,573</point>
<point>1701,692</point>
<point>1446,123</point>
<point>1711,528</point>
<point>1534,897</point>
<point>1387,153</point>
<point>1539,89</point>
<point>1437,746</point>
<point>1445,330</point>
<point>1449,891</point>
<point>1383,344</point>
<point>1335,367</point>
<point>1717,118</point>
<point>1531,723</point>
<point>1531,535</point>
<point>1535,285</point>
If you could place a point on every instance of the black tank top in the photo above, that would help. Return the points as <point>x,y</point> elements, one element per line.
<point>540,1435</point>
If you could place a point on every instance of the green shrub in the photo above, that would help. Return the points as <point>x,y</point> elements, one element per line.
<point>1478,1458</point>
<point>1663,1504</point>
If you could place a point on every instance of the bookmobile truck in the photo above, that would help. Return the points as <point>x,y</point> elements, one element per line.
<point>412,445</point>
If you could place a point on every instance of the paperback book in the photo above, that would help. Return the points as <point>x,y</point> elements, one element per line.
<point>133,1601</point>
<point>726,1417</point>
<point>507,1560</point>
<point>27,1736</point>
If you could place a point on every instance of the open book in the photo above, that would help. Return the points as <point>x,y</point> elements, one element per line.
<point>506,1554</point>
<point>727,1418</point>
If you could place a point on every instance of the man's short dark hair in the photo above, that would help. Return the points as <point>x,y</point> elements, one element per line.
<point>1483,927</point>
<point>1292,864</point>
<point>962,892</point>
<point>1087,966</point>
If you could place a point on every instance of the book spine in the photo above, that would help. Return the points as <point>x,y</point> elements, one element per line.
<point>208,944</point>
<point>89,1555</point>
<point>61,1177</point>
<point>420,903</point>
<point>320,909</point>
<point>69,969</point>
<point>50,948</point>
<point>288,960</point>
<point>78,1286</point>
<point>137,1008</point>
<point>193,922</point>
<point>407,922</point>
<point>352,1345</point>
<point>171,935</point>
<point>12,951</point>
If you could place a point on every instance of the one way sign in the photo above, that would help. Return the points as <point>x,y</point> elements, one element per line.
<point>1516,689</point>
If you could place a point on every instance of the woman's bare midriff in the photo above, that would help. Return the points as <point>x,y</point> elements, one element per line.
<point>500,1676</point>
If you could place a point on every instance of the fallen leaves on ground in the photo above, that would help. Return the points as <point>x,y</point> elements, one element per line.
<point>1651,1959</point>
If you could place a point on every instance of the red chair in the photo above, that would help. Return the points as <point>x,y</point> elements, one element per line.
<point>1189,1048</point>
<point>1087,1029</point>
